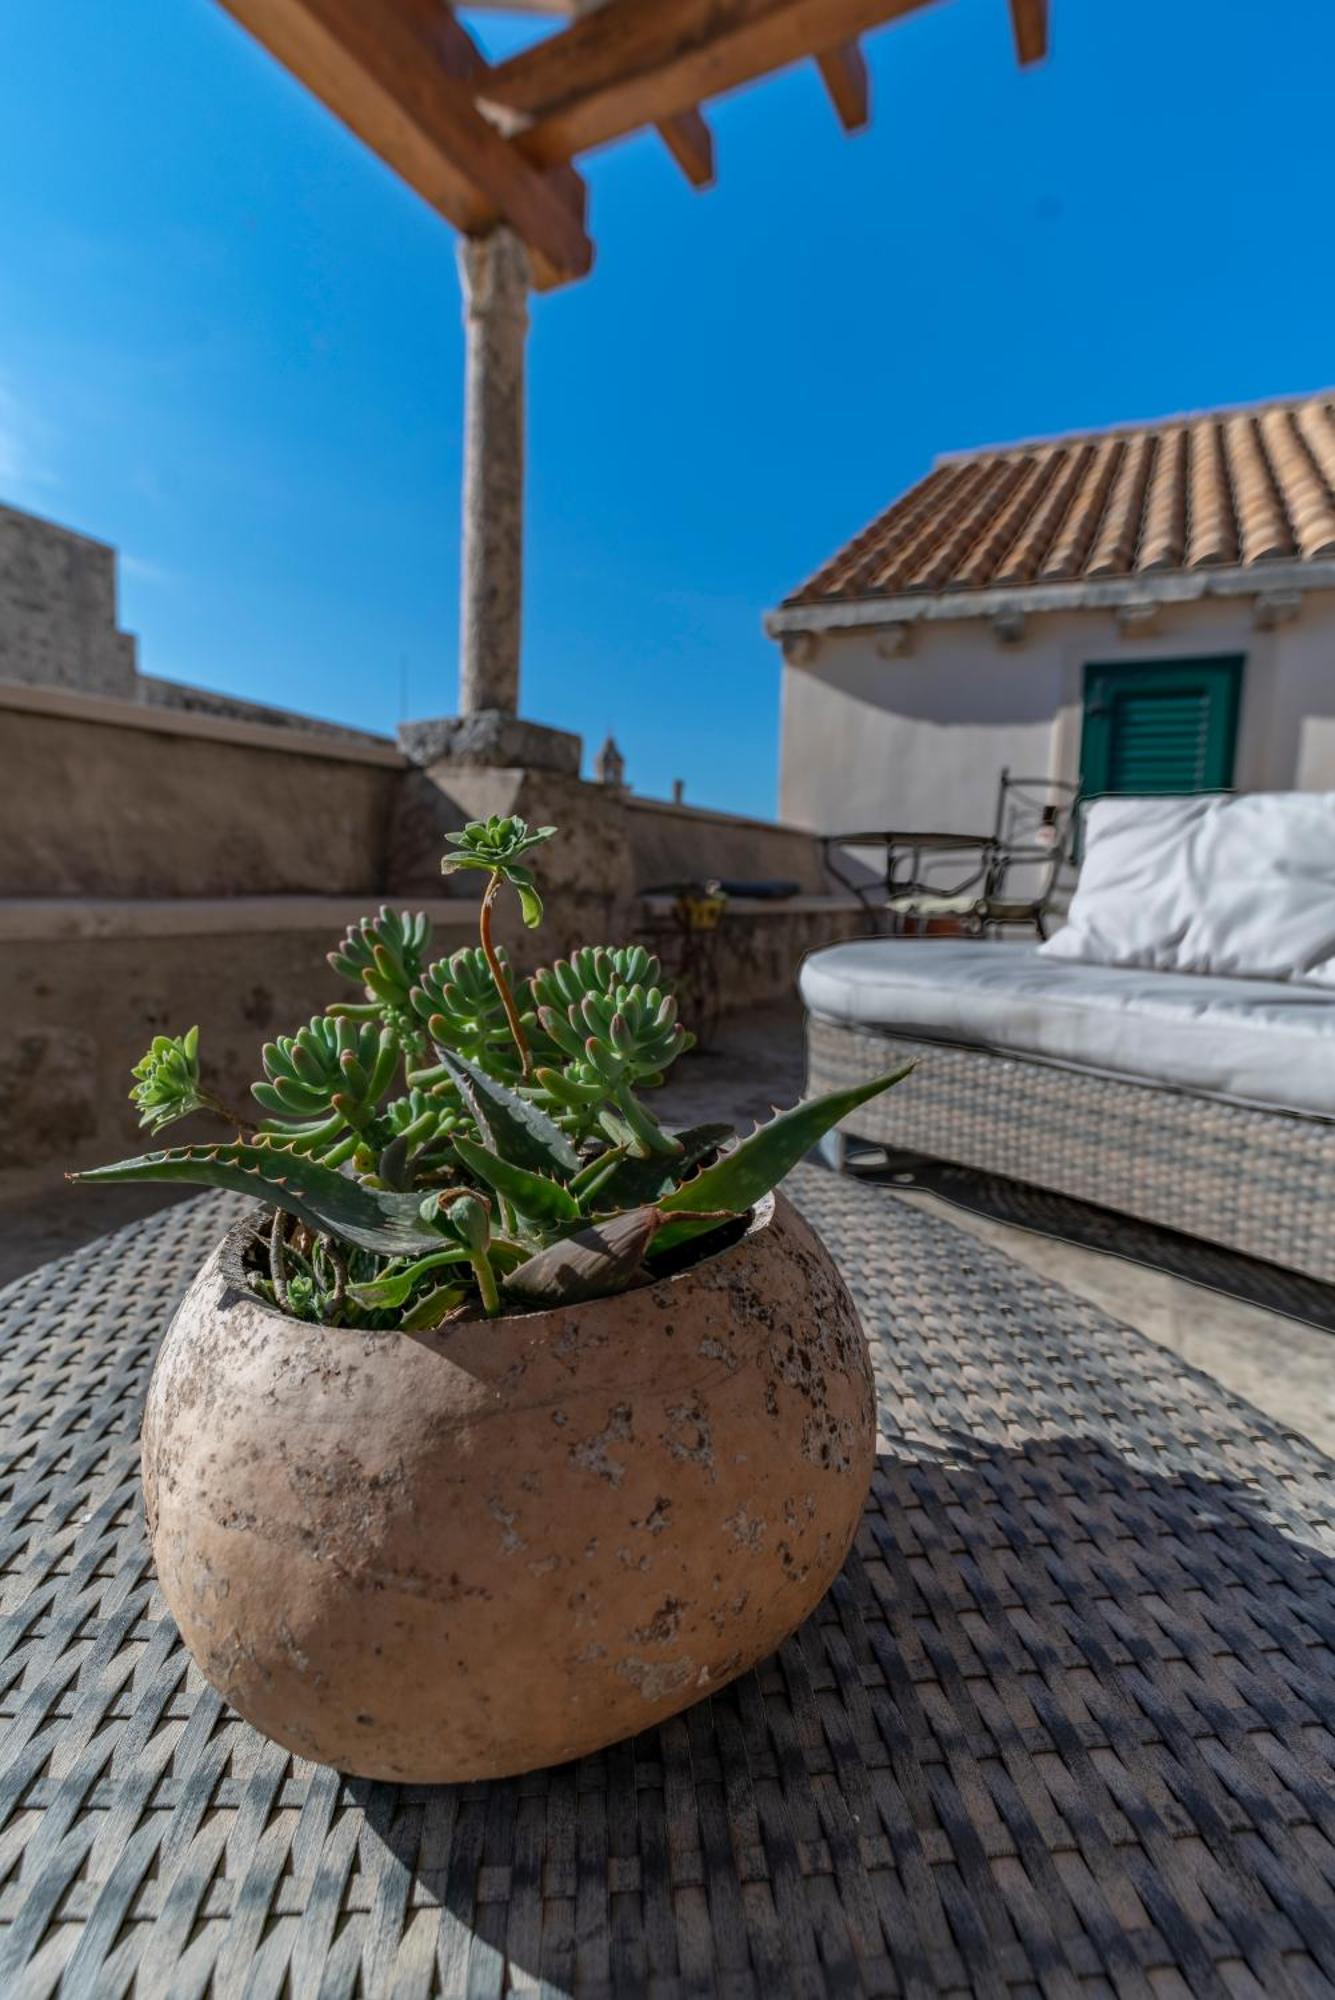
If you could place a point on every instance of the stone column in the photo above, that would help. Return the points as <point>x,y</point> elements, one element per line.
<point>488,732</point>
<point>494,271</point>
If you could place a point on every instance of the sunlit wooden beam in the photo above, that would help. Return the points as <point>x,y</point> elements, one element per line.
<point>402,76</point>
<point>1029,23</point>
<point>844,73</point>
<point>636,62</point>
<point>691,144</point>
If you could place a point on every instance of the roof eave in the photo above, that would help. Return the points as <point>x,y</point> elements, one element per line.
<point>1082,594</point>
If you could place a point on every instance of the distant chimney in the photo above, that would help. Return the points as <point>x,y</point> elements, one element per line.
<point>678,791</point>
<point>609,765</point>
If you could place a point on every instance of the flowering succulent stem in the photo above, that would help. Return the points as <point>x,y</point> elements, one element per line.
<point>499,980</point>
<point>240,1121</point>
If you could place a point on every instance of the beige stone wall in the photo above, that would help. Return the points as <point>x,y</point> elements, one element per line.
<point>920,739</point>
<point>103,799</point>
<point>58,609</point>
<point>85,988</point>
<point>671,843</point>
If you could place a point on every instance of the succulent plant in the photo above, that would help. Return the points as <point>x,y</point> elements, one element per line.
<point>498,846</point>
<point>458,1002</point>
<point>167,1084</point>
<point>384,955</point>
<point>166,1077</point>
<point>419,1162</point>
<point>607,1012</point>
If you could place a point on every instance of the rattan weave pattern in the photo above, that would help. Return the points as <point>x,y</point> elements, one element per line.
<point>1255,1181</point>
<point>1065,1726</point>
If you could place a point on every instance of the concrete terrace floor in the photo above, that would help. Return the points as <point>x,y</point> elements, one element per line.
<point>1283,1361</point>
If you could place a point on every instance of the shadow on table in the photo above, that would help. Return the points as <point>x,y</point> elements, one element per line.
<point>1059,1718</point>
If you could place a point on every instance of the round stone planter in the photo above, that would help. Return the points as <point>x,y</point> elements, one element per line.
<point>457,1555</point>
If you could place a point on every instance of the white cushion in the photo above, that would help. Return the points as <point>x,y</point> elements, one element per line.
<point>1240,885</point>
<point>1246,1041</point>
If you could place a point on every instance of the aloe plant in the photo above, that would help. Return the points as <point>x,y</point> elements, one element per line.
<point>459,1141</point>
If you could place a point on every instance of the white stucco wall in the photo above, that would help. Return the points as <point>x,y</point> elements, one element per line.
<point>920,740</point>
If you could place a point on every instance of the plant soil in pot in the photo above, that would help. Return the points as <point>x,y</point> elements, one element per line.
<point>495,1546</point>
<point>519,1422</point>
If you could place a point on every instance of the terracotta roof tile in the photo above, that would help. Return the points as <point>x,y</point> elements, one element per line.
<point>1226,487</point>
<point>1163,534</point>
<point>1210,535</point>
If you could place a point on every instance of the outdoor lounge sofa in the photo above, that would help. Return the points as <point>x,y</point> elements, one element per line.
<point>1170,1054</point>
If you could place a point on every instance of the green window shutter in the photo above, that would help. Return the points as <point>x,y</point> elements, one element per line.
<point>1166,727</point>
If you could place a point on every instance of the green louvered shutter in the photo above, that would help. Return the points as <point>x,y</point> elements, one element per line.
<point>1166,727</point>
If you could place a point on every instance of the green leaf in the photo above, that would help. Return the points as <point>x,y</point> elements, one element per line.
<point>596,1173</point>
<point>598,1261</point>
<point>324,1200</point>
<point>737,1181</point>
<point>432,1309</point>
<point>517,1129</point>
<point>530,903</point>
<point>395,1287</point>
<point>636,1181</point>
<point>534,1196</point>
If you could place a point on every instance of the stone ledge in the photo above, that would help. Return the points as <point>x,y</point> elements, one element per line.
<point>683,809</point>
<point>493,739</point>
<point>154,720</point>
<point>764,906</point>
<point>53,919</point>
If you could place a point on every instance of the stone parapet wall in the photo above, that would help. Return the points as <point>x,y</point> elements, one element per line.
<point>671,843</point>
<point>105,798</point>
<point>86,985</point>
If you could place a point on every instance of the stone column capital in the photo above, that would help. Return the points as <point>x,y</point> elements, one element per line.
<point>495,275</point>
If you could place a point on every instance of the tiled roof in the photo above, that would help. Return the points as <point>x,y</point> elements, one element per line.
<point>1224,487</point>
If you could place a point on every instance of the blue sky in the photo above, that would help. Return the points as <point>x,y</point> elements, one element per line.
<point>230,342</point>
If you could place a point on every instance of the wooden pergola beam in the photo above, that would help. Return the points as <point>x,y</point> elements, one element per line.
<point>637,62</point>
<point>691,144</point>
<point>403,75</point>
<point>487,145</point>
<point>844,74</point>
<point>1029,23</point>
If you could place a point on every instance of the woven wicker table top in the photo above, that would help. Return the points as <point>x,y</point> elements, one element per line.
<point>1065,1725</point>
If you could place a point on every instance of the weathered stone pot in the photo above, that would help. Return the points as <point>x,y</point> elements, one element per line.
<point>469,1553</point>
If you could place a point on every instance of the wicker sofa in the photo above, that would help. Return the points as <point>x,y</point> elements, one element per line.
<point>1197,1101</point>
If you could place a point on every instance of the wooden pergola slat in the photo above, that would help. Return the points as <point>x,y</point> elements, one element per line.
<point>1029,21</point>
<point>691,144</point>
<point>635,62</point>
<point>844,73</point>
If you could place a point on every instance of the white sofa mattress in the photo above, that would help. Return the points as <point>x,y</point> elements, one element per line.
<point>1266,1043</point>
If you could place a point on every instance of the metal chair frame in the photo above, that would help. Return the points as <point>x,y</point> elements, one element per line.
<point>1027,831</point>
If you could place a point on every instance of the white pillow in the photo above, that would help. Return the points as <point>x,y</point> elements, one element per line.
<point>1242,885</point>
